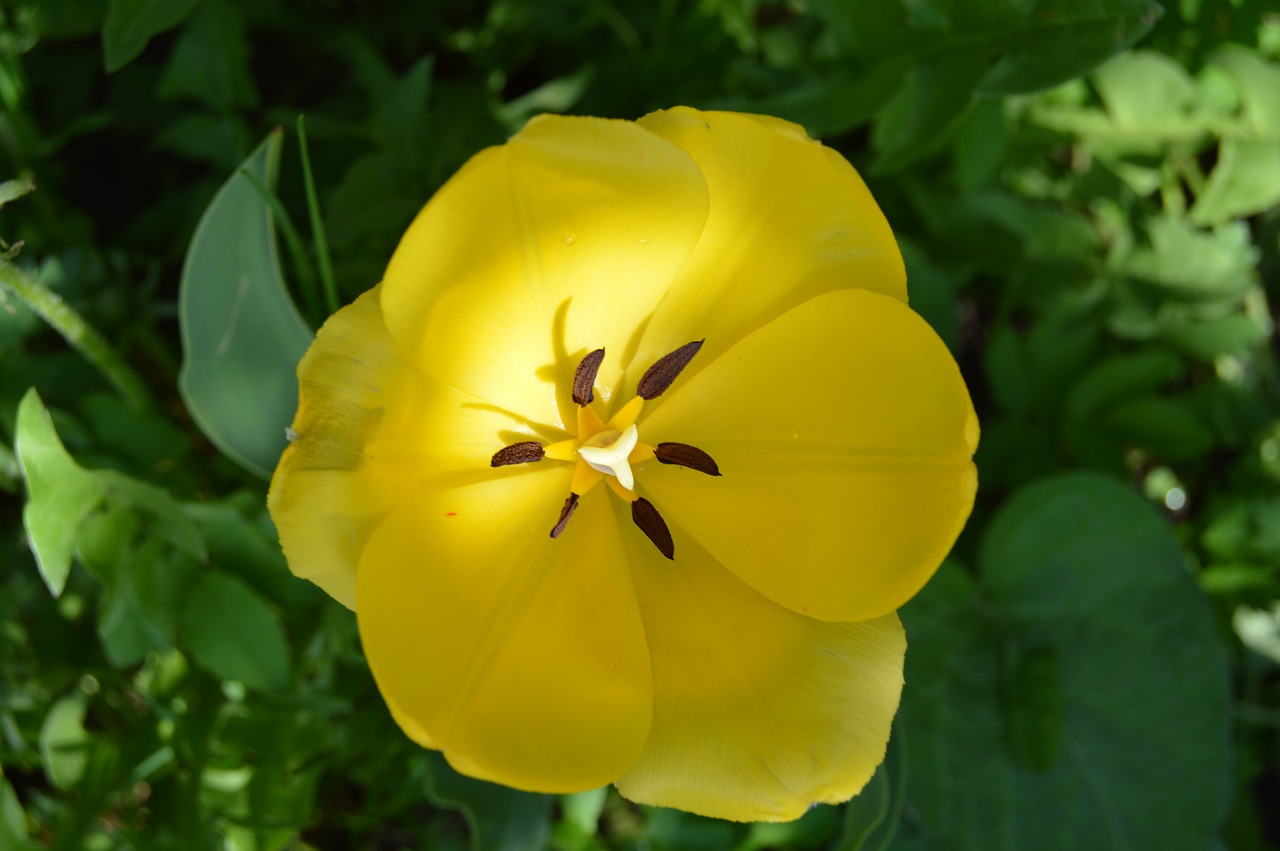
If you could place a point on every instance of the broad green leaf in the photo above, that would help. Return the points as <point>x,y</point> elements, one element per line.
<point>60,494</point>
<point>233,633</point>
<point>63,741</point>
<point>1065,38</point>
<point>501,819</point>
<point>211,60</point>
<point>1127,693</point>
<point>131,24</point>
<point>242,336</point>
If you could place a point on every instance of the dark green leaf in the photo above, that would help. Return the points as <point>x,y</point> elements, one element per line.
<point>211,60</point>
<point>242,336</point>
<point>143,583</point>
<point>1119,377</point>
<point>871,818</point>
<point>1081,568</point>
<point>233,632</point>
<point>932,100</point>
<point>1064,39</point>
<point>131,24</point>
<point>501,819</point>
<point>60,494</point>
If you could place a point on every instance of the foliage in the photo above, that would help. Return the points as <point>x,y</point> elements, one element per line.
<point>1086,197</point>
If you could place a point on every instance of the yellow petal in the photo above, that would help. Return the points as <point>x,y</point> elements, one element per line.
<point>758,712</point>
<point>523,658</point>
<point>789,219</point>
<point>372,432</point>
<point>844,434</point>
<point>557,243</point>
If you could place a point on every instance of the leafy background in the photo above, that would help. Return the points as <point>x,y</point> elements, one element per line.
<point>1086,196</point>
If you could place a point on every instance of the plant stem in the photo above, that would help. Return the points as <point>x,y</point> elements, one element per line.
<point>82,336</point>
<point>317,223</point>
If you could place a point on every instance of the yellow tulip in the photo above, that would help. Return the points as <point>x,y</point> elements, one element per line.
<point>628,462</point>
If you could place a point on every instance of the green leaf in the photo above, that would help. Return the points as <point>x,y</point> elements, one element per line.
<point>1169,428</point>
<point>1192,265</point>
<point>13,821</point>
<point>63,741</point>
<point>211,60</point>
<point>920,115</point>
<point>242,336</point>
<point>12,190</point>
<point>1258,83</point>
<point>1126,688</point>
<point>1063,39</point>
<point>143,585</point>
<point>131,24</point>
<point>60,494</point>
<point>1245,181</point>
<point>1119,377</point>
<point>1147,92</point>
<point>871,818</point>
<point>233,633</point>
<point>501,819</point>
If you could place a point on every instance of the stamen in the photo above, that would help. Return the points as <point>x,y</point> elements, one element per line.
<point>658,377</point>
<point>584,378</point>
<point>570,505</point>
<point>517,453</point>
<point>684,455</point>
<point>644,515</point>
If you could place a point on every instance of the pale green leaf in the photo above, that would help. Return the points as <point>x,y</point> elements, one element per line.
<point>60,494</point>
<point>242,336</point>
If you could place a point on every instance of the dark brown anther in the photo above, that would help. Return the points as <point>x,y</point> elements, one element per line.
<point>644,515</point>
<point>517,453</point>
<point>684,455</point>
<point>658,377</point>
<point>570,505</point>
<point>584,378</point>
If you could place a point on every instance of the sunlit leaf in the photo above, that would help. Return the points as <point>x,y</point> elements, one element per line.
<point>63,741</point>
<point>60,494</point>
<point>242,336</point>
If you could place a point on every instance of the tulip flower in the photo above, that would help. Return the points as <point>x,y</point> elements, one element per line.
<point>628,462</point>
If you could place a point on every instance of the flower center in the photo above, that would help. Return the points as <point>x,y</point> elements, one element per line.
<point>607,451</point>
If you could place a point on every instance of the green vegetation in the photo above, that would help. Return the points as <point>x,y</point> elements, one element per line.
<point>1087,195</point>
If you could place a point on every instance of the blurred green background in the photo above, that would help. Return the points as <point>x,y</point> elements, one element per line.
<point>1085,192</point>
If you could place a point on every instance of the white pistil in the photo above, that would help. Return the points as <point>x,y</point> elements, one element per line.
<point>608,452</point>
